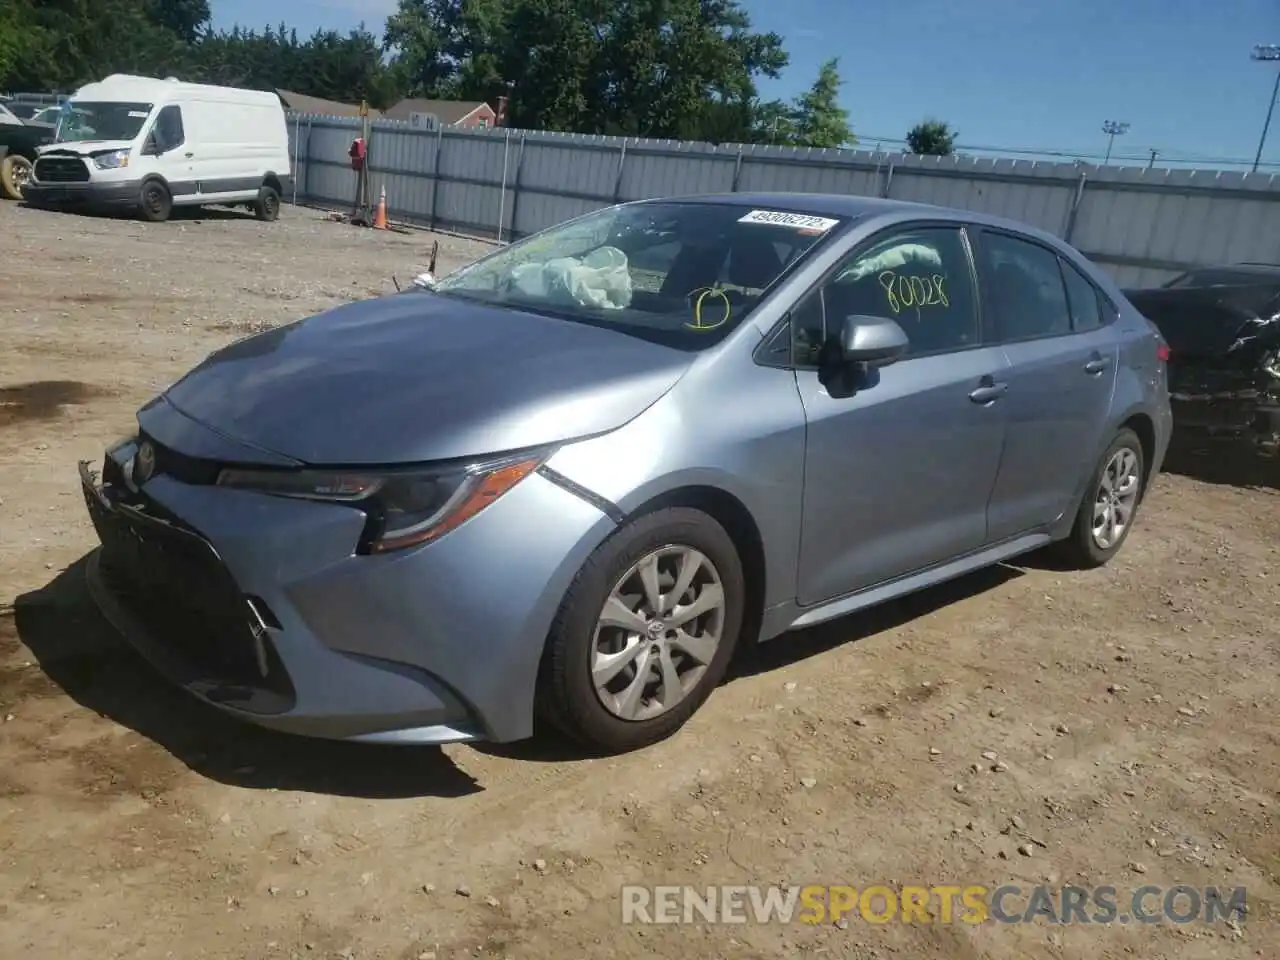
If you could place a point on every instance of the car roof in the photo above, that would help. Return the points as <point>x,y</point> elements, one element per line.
<point>855,207</point>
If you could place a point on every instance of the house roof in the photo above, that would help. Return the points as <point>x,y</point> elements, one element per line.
<point>317,105</point>
<point>448,111</point>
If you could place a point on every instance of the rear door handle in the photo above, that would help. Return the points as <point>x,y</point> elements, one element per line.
<point>1096,365</point>
<point>989,392</point>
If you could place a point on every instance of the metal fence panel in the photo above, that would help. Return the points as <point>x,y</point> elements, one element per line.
<point>1143,225</point>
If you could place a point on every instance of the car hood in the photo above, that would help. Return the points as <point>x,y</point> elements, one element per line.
<point>405,379</point>
<point>85,148</point>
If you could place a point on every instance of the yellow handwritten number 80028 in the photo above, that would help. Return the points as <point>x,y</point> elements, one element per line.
<point>903,293</point>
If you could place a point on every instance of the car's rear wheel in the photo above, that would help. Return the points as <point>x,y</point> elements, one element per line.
<point>1107,512</point>
<point>645,632</point>
<point>15,174</point>
<point>267,206</point>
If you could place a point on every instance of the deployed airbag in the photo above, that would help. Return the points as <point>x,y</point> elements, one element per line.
<point>600,280</point>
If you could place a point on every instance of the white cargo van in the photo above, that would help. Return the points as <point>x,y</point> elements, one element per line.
<point>150,145</point>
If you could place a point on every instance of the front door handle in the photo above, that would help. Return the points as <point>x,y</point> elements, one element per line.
<point>1096,365</point>
<point>188,154</point>
<point>989,392</point>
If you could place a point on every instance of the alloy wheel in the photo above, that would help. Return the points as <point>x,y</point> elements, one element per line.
<point>21,174</point>
<point>658,632</point>
<point>1116,498</point>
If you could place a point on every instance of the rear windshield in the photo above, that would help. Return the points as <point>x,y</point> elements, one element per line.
<point>684,274</point>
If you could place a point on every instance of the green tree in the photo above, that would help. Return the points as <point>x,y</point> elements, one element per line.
<point>651,68</point>
<point>72,42</point>
<point>62,44</point>
<point>931,137</point>
<point>186,19</point>
<point>818,119</point>
<point>22,42</point>
<point>774,122</point>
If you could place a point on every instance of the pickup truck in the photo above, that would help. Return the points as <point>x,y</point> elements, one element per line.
<point>18,142</point>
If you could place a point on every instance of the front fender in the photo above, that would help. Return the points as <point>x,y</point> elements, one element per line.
<point>733,427</point>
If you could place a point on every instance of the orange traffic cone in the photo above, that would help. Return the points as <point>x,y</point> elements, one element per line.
<point>380,218</point>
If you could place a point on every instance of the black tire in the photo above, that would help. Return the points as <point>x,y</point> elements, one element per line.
<point>567,695</point>
<point>267,206</point>
<point>15,172</point>
<point>1081,549</point>
<point>155,201</point>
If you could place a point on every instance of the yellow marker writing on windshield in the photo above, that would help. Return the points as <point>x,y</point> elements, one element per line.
<point>697,309</point>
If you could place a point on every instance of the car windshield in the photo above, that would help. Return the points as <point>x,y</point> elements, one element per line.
<point>683,274</point>
<point>101,120</point>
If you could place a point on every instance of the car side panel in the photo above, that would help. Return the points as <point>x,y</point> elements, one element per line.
<point>1056,412</point>
<point>1140,391</point>
<point>898,476</point>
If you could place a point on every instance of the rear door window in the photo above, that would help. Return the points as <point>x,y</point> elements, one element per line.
<point>1024,297</point>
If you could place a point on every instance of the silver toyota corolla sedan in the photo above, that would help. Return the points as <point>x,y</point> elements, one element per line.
<point>572,477</point>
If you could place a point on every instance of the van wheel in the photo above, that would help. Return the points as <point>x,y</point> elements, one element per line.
<point>15,173</point>
<point>645,633</point>
<point>156,201</point>
<point>267,206</point>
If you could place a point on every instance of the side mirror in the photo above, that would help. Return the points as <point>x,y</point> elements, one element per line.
<point>151,148</point>
<point>875,341</point>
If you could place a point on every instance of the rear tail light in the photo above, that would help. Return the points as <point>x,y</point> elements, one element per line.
<point>1162,352</point>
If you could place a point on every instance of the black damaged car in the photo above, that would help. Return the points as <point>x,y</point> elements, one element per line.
<point>1222,325</point>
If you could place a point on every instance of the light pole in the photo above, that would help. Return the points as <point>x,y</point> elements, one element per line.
<point>1113,129</point>
<point>1267,53</point>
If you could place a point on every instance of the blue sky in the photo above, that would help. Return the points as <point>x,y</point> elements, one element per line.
<point>1032,73</point>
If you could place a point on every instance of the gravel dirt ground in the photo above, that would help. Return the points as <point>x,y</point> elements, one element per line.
<point>1021,726</point>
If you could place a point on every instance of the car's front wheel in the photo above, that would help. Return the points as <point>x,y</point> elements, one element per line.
<point>1106,514</point>
<point>645,632</point>
<point>155,202</point>
<point>15,174</point>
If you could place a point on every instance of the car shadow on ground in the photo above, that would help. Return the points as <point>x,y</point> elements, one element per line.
<point>812,641</point>
<point>81,653</point>
<point>793,647</point>
<point>177,214</point>
<point>1221,462</point>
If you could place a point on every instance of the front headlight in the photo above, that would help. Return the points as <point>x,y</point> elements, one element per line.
<point>405,507</point>
<point>112,161</point>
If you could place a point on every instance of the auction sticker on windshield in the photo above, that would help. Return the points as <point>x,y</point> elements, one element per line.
<point>778,218</point>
